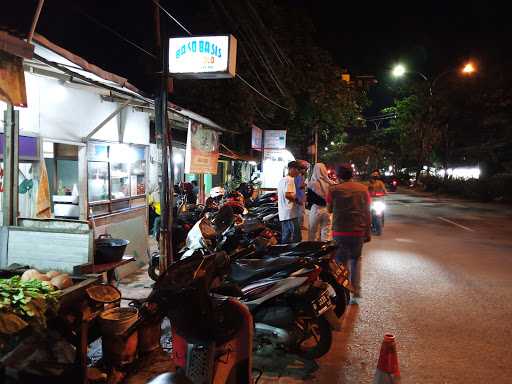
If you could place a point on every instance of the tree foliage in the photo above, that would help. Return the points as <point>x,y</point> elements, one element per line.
<point>462,121</point>
<point>277,54</point>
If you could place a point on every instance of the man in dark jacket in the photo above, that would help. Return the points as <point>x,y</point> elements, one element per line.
<point>349,203</point>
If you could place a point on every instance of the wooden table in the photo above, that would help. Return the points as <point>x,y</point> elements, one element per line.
<point>100,268</point>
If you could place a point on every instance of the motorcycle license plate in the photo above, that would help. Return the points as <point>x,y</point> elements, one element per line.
<point>322,303</point>
<point>338,272</point>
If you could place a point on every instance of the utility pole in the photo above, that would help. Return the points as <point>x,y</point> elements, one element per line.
<point>164,140</point>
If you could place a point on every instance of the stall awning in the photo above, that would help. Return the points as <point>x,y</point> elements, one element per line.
<point>233,155</point>
<point>60,59</point>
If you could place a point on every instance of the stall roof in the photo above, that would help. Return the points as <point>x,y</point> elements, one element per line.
<point>233,155</point>
<point>59,58</point>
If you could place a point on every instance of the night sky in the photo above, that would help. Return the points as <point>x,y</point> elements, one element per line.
<point>429,37</point>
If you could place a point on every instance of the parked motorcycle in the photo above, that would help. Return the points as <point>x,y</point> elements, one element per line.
<point>281,260</point>
<point>181,225</point>
<point>212,335</point>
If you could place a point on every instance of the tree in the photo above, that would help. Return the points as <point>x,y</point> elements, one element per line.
<point>417,124</point>
<point>278,55</point>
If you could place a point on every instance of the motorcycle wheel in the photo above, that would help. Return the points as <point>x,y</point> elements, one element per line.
<point>153,272</point>
<point>341,299</point>
<point>317,339</point>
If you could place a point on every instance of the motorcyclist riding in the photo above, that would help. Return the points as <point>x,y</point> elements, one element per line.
<point>376,186</point>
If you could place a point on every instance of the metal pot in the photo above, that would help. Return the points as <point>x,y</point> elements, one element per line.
<point>109,250</point>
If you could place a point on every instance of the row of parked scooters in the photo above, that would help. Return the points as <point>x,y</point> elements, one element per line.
<point>235,291</point>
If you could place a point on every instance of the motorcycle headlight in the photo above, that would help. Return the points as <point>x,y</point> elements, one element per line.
<point>379,207</point>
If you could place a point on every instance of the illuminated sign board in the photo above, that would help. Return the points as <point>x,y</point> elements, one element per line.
<point>202,57</point>
<point>274,139</point>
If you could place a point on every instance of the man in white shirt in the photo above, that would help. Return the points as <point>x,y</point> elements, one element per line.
<point>287,205</point>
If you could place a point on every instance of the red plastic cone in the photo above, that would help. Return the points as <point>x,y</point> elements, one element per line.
<point>387,368</point>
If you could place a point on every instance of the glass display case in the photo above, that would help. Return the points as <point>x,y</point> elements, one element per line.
<point>97,175</point>
<point>120,180</point>
<point>138,171</point>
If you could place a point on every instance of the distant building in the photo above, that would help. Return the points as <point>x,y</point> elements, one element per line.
<point>358,81</point>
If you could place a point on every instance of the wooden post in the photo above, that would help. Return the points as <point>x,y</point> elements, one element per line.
<point>10,193</point>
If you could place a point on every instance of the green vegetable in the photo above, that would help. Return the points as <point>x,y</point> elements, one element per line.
<point>25,303</point>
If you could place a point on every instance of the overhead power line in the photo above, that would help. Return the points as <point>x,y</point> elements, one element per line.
<point>261,94</point>
<point>237,75</point>
<point>171,16</point>
<point>116,33</point>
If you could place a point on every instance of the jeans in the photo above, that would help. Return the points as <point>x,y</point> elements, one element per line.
<point>289,230</point>
<point>349,254</point>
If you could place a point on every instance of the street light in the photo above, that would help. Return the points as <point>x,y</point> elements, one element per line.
<point>399,70</point>
<point>468,69</point>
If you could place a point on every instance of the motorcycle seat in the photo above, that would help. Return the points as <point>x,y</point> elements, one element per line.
<point>247,269</point>
<point>303,246</point>
<point>253,227</point>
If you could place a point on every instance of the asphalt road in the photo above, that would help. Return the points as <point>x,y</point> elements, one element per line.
<point>440,279</point>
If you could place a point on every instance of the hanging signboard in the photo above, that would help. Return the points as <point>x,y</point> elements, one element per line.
<point>275,139</point>
<point>12,80</point>
<point>256,138</point>
<point>202,149</point>
<point>274,166</point>
<point>202,57</point>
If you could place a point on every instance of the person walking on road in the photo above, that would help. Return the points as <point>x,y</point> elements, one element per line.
<point>287,205</point>
<point>349,203</point>
<point>319,217</point>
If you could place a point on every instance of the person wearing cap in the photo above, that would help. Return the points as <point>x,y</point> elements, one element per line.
<point>287,205</point>
<point>349,202</point>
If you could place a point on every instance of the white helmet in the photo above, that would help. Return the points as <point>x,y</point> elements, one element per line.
<point>216,192</point>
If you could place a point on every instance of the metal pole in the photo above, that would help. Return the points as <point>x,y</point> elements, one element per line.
<point>165,141</point>
<point>10,150</point>
<point>34,20</point>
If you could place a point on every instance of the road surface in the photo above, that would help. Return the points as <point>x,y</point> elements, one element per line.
<point>440,279</point>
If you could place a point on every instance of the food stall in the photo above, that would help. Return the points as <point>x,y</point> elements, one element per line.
<point>92,134</point>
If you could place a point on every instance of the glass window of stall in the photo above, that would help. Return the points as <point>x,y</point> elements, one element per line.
<point>28,174</point>
<point>116,177</point>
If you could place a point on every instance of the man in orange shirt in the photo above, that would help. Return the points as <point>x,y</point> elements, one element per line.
<point>349,203</point>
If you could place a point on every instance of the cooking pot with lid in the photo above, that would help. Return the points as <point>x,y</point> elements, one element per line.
<point>109,250</point>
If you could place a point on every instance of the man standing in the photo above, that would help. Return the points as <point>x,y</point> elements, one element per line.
<point>287,205</point>
<point>300,189</point>
<point>349,202</point>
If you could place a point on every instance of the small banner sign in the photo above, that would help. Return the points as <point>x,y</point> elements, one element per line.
<point>202,149</point>
<point>256,138</point>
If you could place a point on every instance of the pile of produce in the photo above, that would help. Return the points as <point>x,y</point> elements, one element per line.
<point>25,302</point>
<point>57,279</point>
